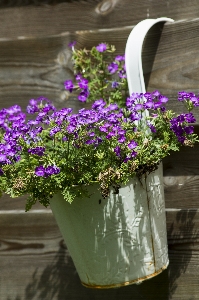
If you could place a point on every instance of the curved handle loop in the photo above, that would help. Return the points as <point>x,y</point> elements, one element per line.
<point>133,54</point>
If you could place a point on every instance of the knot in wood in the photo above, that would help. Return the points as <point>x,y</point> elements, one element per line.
<point>105,7</point>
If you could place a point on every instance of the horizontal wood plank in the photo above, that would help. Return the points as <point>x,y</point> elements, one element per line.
<point>181,178</point>
<point>35,263</point>
<point>52,17</point>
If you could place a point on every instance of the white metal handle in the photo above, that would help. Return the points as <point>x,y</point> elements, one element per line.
<point>133,54</point>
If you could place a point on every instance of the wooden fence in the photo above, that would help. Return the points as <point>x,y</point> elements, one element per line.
<point>35,60</point>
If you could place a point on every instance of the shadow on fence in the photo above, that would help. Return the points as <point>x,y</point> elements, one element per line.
<point>60,281</point>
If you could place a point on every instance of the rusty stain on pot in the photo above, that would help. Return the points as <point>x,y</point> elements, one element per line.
<point>117,285</point>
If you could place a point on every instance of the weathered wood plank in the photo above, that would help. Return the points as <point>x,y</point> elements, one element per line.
<point>46,19</point>
<point>181,178</point>
<point>35,263</point>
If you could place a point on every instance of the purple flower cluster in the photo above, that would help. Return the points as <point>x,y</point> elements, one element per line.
<point>117,66</point>
<point>15,127</point>
<point>179,127</point>
<point>184,96</point>
<point>37,151</point>
<point>103,126</point>
<point>82,84</point>
<point>12,124</point>
<point>41,171</point>
<point>151,101</point>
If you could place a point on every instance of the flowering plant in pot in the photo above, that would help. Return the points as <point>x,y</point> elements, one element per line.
<point>114,140</point>
<point>89,164</point>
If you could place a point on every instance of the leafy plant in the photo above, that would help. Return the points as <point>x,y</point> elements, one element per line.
<point>119,137</point>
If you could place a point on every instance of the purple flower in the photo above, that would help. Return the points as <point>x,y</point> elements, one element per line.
<point>117,151</point>
<point>190,118</point>
<point>138,107</point>
<point>51,170</point>
<point>13,109</point>
<point>130,156</point>
<point>120,58</point>
<point>115,84</point>
<point>149,105</point>
<point>101,47</point>
<point>83,84</point>
<point>122,139</point>
<point>148,96</point>
<point>189,129</point>
<point>71,128</point>
<point>132,145</point>
<point>181,139</point>
<point>98,141</point>
<point>103,129</point>
<point>122,74</point>
<point>157,105</point>
<point>156,93</point>
<point>152,127</point>
<point>83,96</point>
<point>98,104</point>
<point>56,170</point>
<point>110,135</point>
<point>17,158</point>
<point>163,99</point>
<point>135,117</point>
<point>133,154</point>
<point>32,109</point>
<point>91,134</point>
<point>32,122</point>
<point>37,150</point>
<point>48,107</point>
<point>40,171</point>
<point>65,139</point>
<point>89,142</point>
<point>113,106</point>
<point>54,130</point>
<point>69,85</point>
<point>33,102</point>
<point>78,77</point>
<point>112,68</point>
<point>72,44</point>
<point>194,100</point>
<point>182,96</point>
<point>11,152</point>
<point>162,108</point>
<point>130,100</point>
<point>3,158</point>
<point>38,129</point>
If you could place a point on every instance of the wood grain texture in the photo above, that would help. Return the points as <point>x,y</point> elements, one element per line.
<point>35,263</point>
<point>181,178</point>
<point>52,17</point>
